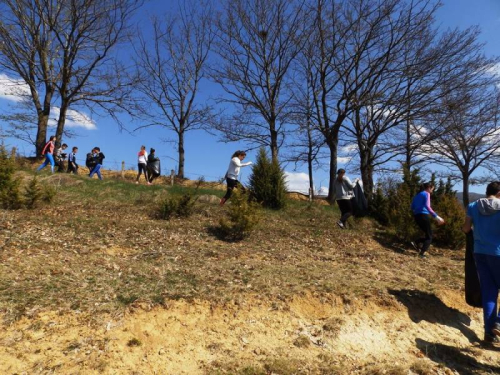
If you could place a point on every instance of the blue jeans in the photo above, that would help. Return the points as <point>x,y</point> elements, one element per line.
<point>488,269</point>
<point>49,159</point>
<point>97,169</point>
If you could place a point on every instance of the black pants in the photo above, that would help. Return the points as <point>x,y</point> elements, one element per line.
<point>231,184</point>
<point>72,168</point>
<point>142,168</point>
<point>345,208</point>
<point>424,222</point>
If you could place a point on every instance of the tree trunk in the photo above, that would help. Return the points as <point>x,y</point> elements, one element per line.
<point>310,157</point>
<point>332,145</point>
<point>465,188</point>
<point>366,172</point>
<point>180,170</point>
<point>41,134</point>
<point>61,122</point>
<point>274,140</point>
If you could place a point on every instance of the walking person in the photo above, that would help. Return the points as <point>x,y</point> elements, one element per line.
<point>72,165</point>
<point>232,174</point>
<point>60,157</point>
<point>142,165</point>
<point>344,192</point>
<point>154,168</point>
<point>48,152</point>
<point>422,212</point>
<point>94,162</point>
<point>484,216</point>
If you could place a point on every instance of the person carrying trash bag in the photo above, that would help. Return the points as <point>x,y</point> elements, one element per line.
<point>484,216</point>
<point>154,167</point>
<point>344,193</point>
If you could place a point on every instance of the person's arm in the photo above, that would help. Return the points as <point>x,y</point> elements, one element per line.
<point>428,206</point>
<point>45,148</point>
<point>348,182</point>
<point>467,227</point>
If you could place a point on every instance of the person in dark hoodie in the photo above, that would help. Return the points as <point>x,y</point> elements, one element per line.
<point>484,216</point>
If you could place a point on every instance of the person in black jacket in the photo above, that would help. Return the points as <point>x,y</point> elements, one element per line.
<point>94,162</point>
<point>154,168</point>
<point>72,165</point>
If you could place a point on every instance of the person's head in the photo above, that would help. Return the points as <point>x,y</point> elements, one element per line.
<point>340,173</point>
<point>427,186</point>
<point>75,150</point>
<point>152,151</point>
<point>97,149</point>
<point>64,146</point>
<point>239,154</point>
<point>493,189</point>
<point>52,138</point>
<point>143,148</point>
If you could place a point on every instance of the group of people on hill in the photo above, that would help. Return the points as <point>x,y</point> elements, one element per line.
<point>482,215</point>
<point>56,156</point>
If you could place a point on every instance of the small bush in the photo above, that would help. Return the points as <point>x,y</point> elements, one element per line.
<point>10,195</point>
<point>242,218</point>
<point>267,182</point>
<point>48,193</point>
<point>134,342</point>
<point>176,206</point>
<point>450,235</point>
<point>32,193</point>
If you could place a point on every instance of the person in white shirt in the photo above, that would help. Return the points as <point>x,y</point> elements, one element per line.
<point>142,165</point>
<point>344,191</point>
<point>232,174</point>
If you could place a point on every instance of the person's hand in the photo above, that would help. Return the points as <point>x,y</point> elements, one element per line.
<point>440,220</point>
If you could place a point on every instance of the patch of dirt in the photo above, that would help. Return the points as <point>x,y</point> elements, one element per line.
<point>199,337</point>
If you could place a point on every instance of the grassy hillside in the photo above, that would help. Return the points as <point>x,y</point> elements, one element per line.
<point>97,259</point>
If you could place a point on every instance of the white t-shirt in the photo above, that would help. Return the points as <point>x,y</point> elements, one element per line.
<point>234,168</point>
<point>143,159</point>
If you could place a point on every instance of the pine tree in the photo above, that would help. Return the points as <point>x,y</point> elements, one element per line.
<point>9,186</point>
<point>267,182</point>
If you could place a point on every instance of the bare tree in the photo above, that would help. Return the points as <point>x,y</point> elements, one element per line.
<point>472,141</point>
<point>27,51</point>
<point>355,41</point>
<point>170,69</point>
<point>85,34</point>
<point>257,42</point>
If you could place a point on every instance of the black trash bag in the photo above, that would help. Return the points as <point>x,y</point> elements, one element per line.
<point>358,202</point>
<point>154,168</point>
<point>472,287</point>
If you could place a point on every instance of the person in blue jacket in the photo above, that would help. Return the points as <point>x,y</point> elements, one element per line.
<point>422,212</point>
<point>484,216</point>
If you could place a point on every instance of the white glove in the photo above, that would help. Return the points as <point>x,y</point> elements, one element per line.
<point>439,219</point>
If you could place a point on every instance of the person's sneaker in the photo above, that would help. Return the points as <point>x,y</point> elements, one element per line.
<point>137,182</point>
<point>222,201</point>
<point>496,329</point>
<point>423,255</point>
<point>341,224</point>
<point>149,183</point>
<point>490,339</point>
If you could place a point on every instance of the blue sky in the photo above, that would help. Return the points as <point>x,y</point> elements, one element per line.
<point>205,155</point>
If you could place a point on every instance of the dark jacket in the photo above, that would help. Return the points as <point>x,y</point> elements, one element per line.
<point>90,161</point>
<point>100,158</point>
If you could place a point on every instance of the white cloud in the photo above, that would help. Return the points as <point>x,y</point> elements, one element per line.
<point>11,89</point>
<point>16,90</point>
<point>297,181</point>
<point>74,119</point>
<point>343,160</point>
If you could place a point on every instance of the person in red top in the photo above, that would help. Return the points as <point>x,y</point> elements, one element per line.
<point>48,151</point>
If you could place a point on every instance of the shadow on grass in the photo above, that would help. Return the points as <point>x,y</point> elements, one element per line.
<point>217,232</point>
<point>460,360</point>
<point>426,306</point>
<point>390,242</point>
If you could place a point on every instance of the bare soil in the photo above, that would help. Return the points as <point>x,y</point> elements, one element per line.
<point>93,284</point>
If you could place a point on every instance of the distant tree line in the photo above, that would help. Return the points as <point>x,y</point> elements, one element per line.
<point>303,78</point>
